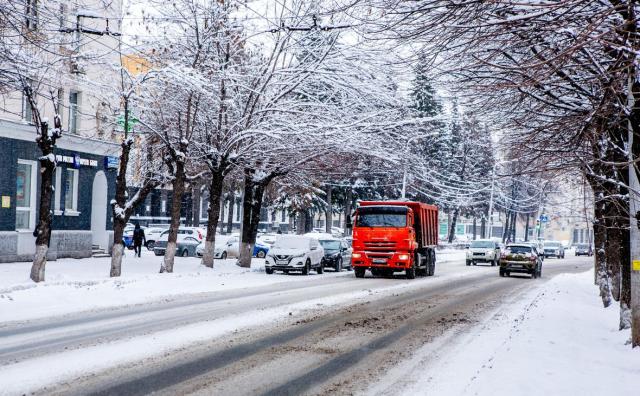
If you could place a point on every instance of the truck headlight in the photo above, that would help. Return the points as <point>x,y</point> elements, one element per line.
<point>403,257</point>
<point>356,255</point>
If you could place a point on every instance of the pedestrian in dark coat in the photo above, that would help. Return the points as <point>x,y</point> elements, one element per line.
<point>138,239</point>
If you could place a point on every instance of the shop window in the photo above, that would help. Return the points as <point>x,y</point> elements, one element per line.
<point>25,195</point>
<point>71,192</point>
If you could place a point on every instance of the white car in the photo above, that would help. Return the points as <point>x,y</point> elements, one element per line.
<point>295,253</point>
<point>152,234</point>
<point>483,251</point>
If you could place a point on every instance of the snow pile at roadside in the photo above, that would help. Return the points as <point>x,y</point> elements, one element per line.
<point>74,285</point>
<point>556,341</point>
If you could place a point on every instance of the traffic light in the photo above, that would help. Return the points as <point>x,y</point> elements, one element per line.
<point>537,224</point>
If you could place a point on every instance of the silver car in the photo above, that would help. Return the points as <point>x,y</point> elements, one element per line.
<point>185,247</point>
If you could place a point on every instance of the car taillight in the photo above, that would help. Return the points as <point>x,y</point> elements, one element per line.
<point>503,256</point>
<point>199,235</point>
<point>532,258</point>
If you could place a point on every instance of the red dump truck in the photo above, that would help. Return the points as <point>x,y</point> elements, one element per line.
<point>393,236</point>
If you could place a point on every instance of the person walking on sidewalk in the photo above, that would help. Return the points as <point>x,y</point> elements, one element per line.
<point>138,240</point>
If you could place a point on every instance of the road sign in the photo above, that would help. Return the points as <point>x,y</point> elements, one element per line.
<point>544,218</point>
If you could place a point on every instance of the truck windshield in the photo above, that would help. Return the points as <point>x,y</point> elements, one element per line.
<point>382,220</point>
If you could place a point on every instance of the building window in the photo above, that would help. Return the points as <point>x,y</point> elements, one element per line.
<point>58,186</point>
<point>60,104</point>
<point>27,111</point>
<point>31,14</point>
<point>71,192</point>
<point>73,112</point>
<point>25,195</point>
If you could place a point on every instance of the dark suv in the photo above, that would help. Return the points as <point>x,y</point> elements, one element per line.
<point>520,258</point>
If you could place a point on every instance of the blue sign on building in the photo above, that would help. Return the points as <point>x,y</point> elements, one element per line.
<point>111,162</point>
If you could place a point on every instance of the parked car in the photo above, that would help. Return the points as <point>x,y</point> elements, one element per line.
<point>160,245</point>
<point>231,248</point>
<point>483,251</point>
<point>152,234</point>
<point>583,249</point>
<point>337,254</point>
<point>521,258</point>
<point>295,253</point>
<point>553,249</point>
<point>185,247</point>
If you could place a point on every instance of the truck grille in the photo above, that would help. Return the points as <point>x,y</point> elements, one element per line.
<point>382,246</point>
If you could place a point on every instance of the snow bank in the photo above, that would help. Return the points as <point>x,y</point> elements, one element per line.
<point>557,341</point>
<point>75,285</point>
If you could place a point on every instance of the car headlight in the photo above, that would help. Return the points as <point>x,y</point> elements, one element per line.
<point>298,255</point>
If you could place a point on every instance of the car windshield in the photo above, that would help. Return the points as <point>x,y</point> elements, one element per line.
<point>518,249</point>
<point>552,244</point>
<point>330,245</point>
<point>290,243</point>
<point>482,244</point>
<point>582,246</point>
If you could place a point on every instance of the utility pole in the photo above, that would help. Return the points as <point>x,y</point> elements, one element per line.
<point>634,220</point>
<point>493,177</point>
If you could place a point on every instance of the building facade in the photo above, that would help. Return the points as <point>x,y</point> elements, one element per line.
<point>86,154</point>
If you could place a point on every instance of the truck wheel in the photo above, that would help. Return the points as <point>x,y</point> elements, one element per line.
<point>431,269</point>
<point>411,272</point>
<point>269,271</point>
<point>359,272</point>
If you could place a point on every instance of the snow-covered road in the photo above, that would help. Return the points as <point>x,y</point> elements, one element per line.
<point>285,315</point>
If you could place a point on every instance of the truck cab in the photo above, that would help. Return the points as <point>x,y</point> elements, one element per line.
<point>394,236</point>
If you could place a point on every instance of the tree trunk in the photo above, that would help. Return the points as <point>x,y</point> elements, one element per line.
<point>452,229</point>
<point>196,199</point>
<point>483,227</point>
<point>232,205</point>
<point>176,206</point>
<point>514,220</point>
<point>526,229</point>
<point>348,225</point>
<point>329,212</point>
<point>301,222</point>
<point>215,192</point>
<point>251,205</point>
<point>42,230</point>
<point>505,230</point>
<point>474,227</point>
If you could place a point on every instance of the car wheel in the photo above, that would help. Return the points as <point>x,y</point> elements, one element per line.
<point>338,266</point>
<point>468,263</point>
<point>359,272</point>
<point>501,272</point>
<point>150,245</point>
<point>473,262</point>
<point>306,268</point>
<point>269,271</point>
<point>261,254</point>
<point>508,273</point>
<point>157,253</point>
<point>224,255</point>
<point>320,269</point>
<point>185,253</point>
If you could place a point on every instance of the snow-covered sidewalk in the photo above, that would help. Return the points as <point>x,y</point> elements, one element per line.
<point>556,341</point>
<point>74,285</point>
